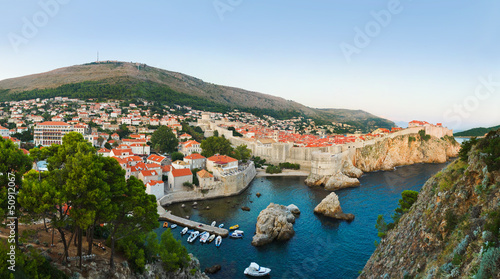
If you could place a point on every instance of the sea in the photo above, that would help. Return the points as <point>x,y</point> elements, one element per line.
<point>321,247</point>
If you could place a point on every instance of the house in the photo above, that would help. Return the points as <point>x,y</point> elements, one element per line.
<point>180,165</point>
<point>205,179</point>
<point>121,152</point>
<point>184,136</point>
<point>223,162</point>
<point>148,175</point>
<point>189,147</point>
<point>125,167</point>
<point>196,161</point>
<point>4,132</point>
<point>115,136</point>
<point>140,148</point>
<point>166,170</point>
<point>156,188</point>
<point>104,152</point>
<point>158,159</point>
<point>177,177</point>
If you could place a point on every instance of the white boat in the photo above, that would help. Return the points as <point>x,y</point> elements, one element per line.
<point>184,231</point>
<point>193,236</point>
<point>218,241</point>
<point>256,270</point>
<point>236,235</point>
<point>211,238</point>
<point>204,236</point>
<point>173,226</point>
<point>221,226</point>
<point>213,224</point>
<point>239,231</point>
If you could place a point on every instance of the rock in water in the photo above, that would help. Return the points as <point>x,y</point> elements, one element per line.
<point>245,208</point>
<point>294,209</point>
<point>258,195</point>
<point>213,269</point>
<point>274,222</point>
<point>330,207</point>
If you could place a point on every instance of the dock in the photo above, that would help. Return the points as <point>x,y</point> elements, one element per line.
<point>167,216</point>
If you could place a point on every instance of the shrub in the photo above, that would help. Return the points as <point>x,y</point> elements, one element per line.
<point>173,254</point>
<point>463,154</point>
<point>423,136</point>
<point>287,165</point>
<point>451,220</point>
<point>488,265</point>
<point>273,169</point>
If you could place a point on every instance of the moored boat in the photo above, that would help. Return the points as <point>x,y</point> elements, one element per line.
<point>173,226</point>
<point>165,224</point>
<point>218,241</point>
<point>234,227</point>
<point>221,226</point>
<point>211,238</point>
<point>204,237</point>
<point>256,270</point>
<point>239,231</point>
<point>213,223</point>
<point>184,231</point>
<point>236,235</point>
<point>193,236</point>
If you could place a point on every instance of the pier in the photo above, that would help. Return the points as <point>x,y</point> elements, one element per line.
<point>167,216</point>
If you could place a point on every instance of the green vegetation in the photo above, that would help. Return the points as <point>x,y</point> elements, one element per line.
<point>476,132</point>
<point>195,132</point>
<point>29,264</point>
<point>172,253</point>
<point>273,169</point>
<point>164,140</point>
<point>81,190</point>
<point>177,156</point>
<point>411,139</point>
<point>242,153</point>
<point>490,146</point>
<point>259,162</point>
<point>216,145</point>
<point>408,198</point>
<point>423,136</point>
<point>291,166</point>
<point>467,145</point>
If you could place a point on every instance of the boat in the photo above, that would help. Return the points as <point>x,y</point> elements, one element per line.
<point>236,235</point>
<point>213,224</point>
<point>221,226</point>
<point>165,224</point>
<point>204,237</point>
<point>211,238</point>
<point>256,270</point>
<point>173,226</point>
<point>193,236</point>
<point>234,227</point>
<point>184,231</point>
<point>238,231</point>
<point>218,241</point>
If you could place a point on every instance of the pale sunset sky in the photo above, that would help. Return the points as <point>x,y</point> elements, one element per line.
<point>427,60</point>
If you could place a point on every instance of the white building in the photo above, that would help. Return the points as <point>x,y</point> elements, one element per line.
<point>196,161</point>
<point>51,132</point>
<point>177,177</point>
<point>156,188</point>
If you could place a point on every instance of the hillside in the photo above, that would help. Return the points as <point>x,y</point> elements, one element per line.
<point>476,132</point>
<point>122,80</point>
<point>452,230</point>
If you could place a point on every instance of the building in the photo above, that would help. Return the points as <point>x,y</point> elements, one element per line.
<point>156,188</point>
<point>148,175</point>
<point>196,161</point>
<point>4,132</point>
<point>180,164</point>
<point>189,147</point>
<point>205,179</point>
<point>158,159</point>
<point>104,152</point>
<point>223,162</point>
<point>177,177</point>
<point>50,132</point>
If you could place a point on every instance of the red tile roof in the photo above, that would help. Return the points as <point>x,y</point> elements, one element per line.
<point>54,123</point>
<point>194,156</point>
<point>204,174</point>
<point>222,159</point>
<point>181,172</point>
<point>156,158</point>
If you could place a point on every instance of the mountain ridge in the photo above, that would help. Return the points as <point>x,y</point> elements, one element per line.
<point>133,74</point>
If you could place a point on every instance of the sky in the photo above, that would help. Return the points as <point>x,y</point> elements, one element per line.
<point>436,61</point>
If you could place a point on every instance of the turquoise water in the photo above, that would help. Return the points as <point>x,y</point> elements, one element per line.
<point>321,247</point>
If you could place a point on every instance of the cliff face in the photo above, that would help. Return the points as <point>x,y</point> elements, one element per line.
<point>404,150</point>
<point>343,170</point>
<point>452,230</point>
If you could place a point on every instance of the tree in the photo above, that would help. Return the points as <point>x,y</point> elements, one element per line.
<point>13,164</point>
<point>241,152</point>
<point>216,145</point>
<point>381,226</point>
<point>164,140</point>
<point>108,146</point>
<point>134,212</point>
<point>173,254</point>
<point>177,156</point>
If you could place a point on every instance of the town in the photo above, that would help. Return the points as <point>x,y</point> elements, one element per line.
<point>124,131</point>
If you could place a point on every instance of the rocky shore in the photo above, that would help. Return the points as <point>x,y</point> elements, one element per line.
<point>330,207</point>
